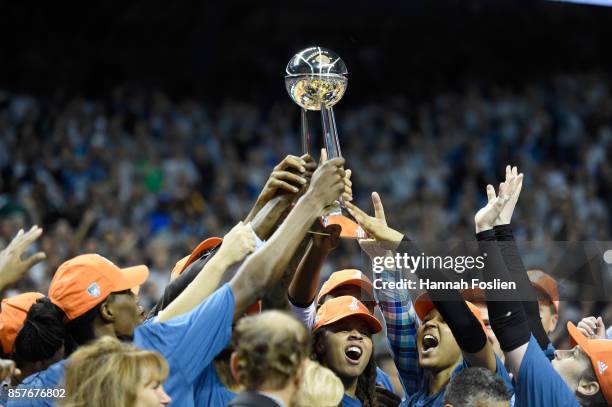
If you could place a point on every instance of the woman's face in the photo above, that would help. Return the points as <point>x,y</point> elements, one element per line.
<point>347,347</point>
<point>152,395</point>
<point>436,345</point>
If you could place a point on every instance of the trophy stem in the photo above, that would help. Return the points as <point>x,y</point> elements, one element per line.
<point>334,129</point>
<point>306,141</point>
<point>330,133</point>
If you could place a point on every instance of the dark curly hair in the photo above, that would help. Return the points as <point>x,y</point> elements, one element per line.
<point>366,382</point>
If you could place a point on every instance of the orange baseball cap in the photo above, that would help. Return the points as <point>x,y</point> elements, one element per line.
<point>341,278</point>
<point>349,228</point>
<point>600,353</point>
<point>423,305</point>
<point>343,307</point>
<point>14,312</point>
<point>545,284</point>
<point>183,263</point>
<point>81,283</point>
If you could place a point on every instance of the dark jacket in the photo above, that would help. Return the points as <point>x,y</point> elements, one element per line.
<point>252,399</point>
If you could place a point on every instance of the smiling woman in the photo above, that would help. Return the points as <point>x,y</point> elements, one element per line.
<point>343,333</point>
<point>134,375</point>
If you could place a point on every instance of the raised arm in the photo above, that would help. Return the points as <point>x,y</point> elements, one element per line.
<point>267,265</point>
<point>12,266</point>
<point>506,312</point>
<point>396,305</point>
<point>237,244</point>
<point>289,178</point>
<point>305,283</point>
<point>514,263</point>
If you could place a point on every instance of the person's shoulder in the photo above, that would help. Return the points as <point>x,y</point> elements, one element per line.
<point>50,376</point>
<point>534,354</point>
<point>252,399</point>
<point>348,401</point>
<point>421,398</point>
<point>383,378</point>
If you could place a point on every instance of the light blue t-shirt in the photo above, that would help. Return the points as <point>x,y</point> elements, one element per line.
<point>189,343</point>
<point>209,391</point>
<point>381,378</point>
<point>538,384</point>
<point>422,399</point>
<point>46,379</point>
<point>348,401</point>
<point>549,352</point>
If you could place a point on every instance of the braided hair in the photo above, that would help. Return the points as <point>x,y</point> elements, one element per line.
<point>43,333</point>
<point>366,382</point>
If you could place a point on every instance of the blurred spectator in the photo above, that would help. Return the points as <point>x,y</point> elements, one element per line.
<point>140,178</point>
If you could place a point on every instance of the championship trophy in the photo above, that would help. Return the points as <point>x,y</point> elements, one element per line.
<point>316,80</point>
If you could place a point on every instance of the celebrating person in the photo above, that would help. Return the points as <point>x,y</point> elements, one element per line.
<point>574,377</point>
<point>290,175</point>
<point>189,334</point>
<point>304,293</point>
<point>109,373</point>
<point>342,340</point>
<point>450,338</point>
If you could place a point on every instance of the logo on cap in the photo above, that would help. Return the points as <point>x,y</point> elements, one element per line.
<point>354,306</point>
<point>361,234</point>
<point>94,290</point>
<point>602,366</point>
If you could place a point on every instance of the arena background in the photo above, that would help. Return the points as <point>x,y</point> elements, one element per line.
<point>134,129</point>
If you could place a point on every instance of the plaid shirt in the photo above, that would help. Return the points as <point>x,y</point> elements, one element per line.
<point>402,323</point>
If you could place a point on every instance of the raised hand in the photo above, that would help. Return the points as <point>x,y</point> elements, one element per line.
<point>505,215</point>
<point>375,226</point>
<point>486,217</point>
<point>289,176</point>
<point>347,195</point>
<point>328,238</point>
<point>12,266</point>
<point>238,243</point>
<point>328,181</point>
<point>592,328</point>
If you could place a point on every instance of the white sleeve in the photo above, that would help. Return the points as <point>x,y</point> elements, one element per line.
<point>306,315</point>
<point>609,333</point>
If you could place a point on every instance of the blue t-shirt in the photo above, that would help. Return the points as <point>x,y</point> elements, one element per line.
<point>189,343</point>
<point>549,352</point>
<point>47,379</point>
<point>348,401</point>
<point>538,384</point>
<point>422,399</point>
<point>383,379</point>
<point>209,391</point>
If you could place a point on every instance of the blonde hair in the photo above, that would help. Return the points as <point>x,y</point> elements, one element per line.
<point>109,373</point>
<point>271,347</point>
<point>320,387</point>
